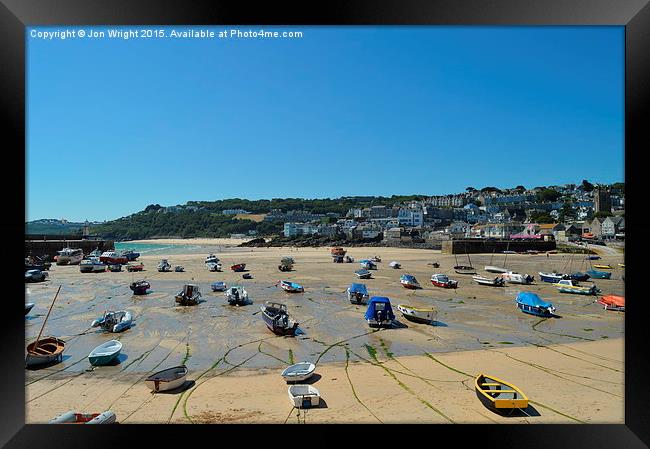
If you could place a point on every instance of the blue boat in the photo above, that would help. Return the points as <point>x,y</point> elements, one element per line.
<point>551,277</point>
<point>578,276</point>
<point>530,303</point>
<point>131,255</point>
<point>600,274</point>
<point>218,286</point>
<point>593,257</point>
<point>368,264</point>
<point>358,293</point>
<point>379,313</point>
<point>291,287</point>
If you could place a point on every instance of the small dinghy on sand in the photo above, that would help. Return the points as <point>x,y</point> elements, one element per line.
<point>47,349</point>
<point>108,417</point>
<point>425,315</point>
<point>105,353</point>
<point>499,395</point>
<point>304,396</point>
<point>299,372</point>
<point>168,379</point>
<point>114,321</point>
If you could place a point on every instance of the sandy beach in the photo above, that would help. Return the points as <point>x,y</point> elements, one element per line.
<point>571,367</point>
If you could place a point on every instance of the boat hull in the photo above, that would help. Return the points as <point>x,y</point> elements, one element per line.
<point>600,274</point>
<point>166,380</point>
<point>537,311</point>
<point>424,316</point>
<point>410,285</point>
<point>102,359</point>
<point>50,349</point>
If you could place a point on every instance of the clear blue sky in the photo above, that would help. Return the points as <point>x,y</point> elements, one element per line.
<point>114,125</point>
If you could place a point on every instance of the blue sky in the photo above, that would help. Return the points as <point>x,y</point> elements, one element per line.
<point>114,125</point>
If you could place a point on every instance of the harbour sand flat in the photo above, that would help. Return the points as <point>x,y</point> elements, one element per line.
<point>570,367</point>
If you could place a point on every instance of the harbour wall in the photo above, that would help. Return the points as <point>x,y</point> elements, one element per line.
<point>477,246</point>
<point>50,247</point>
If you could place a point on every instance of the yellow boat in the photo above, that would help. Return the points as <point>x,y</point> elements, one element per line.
<point>425,315</point>
<point>621,265</point>
<point>499,395</point>
<point>605,267</point>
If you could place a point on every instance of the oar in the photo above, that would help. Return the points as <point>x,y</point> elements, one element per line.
<point>44,321</point>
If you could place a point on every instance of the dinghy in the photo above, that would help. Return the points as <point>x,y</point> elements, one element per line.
<point>368,264</point>
<point>140,287</point>
<point>553,277</point>
<point>409,281</point>
<point>286,264</point>
<point>211,259</point>
<point>464,269</point>
<point>379,312</point>
<point>613,302</point>
<point>238,267</point>
<point>441,280</point>
<point>515,278</point>
<point>218,286</point>
<point>578,276</point>
<point>424,315</point>
<point>363,274</point>
<point>105,353</point>
<point>291,287</point>
<point>299,372</point>
<point>132,268</point>
<point>496,282</point>
<point>213,266</point>
<point>189,296</point>
<point>304,396</point>
<point>29,306</point>
<point>499,395</point>
<point>107,417</point>
<point>179,268</point>
<point>599,274</point>
<point>114,321</point>
<point>493,269</point>
<point>164,265</point>
<point>48,350</point>
<point>395,265</point>
<point>168,379</point>
<point>603,267</point>
<point>531,303</point>
<point>236,295</point>
<point>358,293</point>
<point>277,319</point>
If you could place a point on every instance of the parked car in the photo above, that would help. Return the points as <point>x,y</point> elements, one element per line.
<point>35,275</point>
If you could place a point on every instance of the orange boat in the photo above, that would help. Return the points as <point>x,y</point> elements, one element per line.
<point>338,251</point>
<point>613,302</point>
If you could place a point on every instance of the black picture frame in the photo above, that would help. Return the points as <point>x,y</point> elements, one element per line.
<point>15,15</point>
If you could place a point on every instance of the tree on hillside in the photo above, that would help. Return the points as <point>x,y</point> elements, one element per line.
<point>548,195</point>
<point>520,189</point>
<point>470,189</point>
<point>541,217</point>
<point>587,186</point>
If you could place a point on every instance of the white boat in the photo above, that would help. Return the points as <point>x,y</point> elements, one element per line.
<point>164,265</point>
<point>92,265</point>
<point>168,379</point>
<point>105,353</point>
<point>114,321</point>
<point>425,315</point>
<point>304,396</point>
<point>496,282</point>
<point>107,417</point>
<point>69,256</point>
<point>395,265</point>
<point>236,295</point>
<point>516,278</point>
<point>211,258</point>
<point>28,306</point>
<point>493,269</point>
<point>213,266</point>
<point>299,372</point>
<point>189,296</point>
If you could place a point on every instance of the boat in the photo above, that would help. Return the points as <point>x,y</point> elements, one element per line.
<point>291,287</point>
<point>236,295</point>
<point>35,276</point>
<point>115,267</point>
<point>95,253</point>
<point>111,257</point>
<point>571,286</point>
<point>47,349</point>
<point>379,312</point>
<point>516,278</point>
<point>247,276</point>
<point>395,265</point>
<point>599,274</point>
<point>493,269</point>
<point>286,264</point>
<point>425,315</point>
<point>140,287</point>
<point>496,282</point>
<point>69,256</point>
<point>613,302</point>
<point>337,251</point>
<point>105,353</point>
<point>189,295</point>
<point>358,293</point>
<point>219,286</point>
<point>114,321</point>
<point>130,255</point>
<point>277,319</point>
<point>409,281</point>
<point>531,303</point>
<point>298,372</point>
<point>368,264</point>
<point>164,265</point>
<point>213,266</point>
<point>211,259</point>
<point>602,267</point>
<point>464,269</point>
<point>578,276</point>
<point>434,264</point>
<point>238,267</point>
<point>179,268</point>
<point>622,265</point>
<point>442,280</point>
<point>553,277</point>
<point>37,263</point>
<point>348,259</point>
<point>499,395</point>
<point>375,259</point>
<point>304,396</point>
<point>28,307</point>
<point>167,379</point>
<point>132,268</point>
<point>93,265</point>
<point>508,252</point>
<point>593,258</point>
<point>363,274</point>
<point>107,417</point>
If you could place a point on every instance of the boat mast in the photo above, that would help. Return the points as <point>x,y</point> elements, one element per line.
<point>506,258</point>
<point>46,317</point>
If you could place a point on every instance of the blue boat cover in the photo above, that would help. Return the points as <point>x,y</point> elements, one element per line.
<point>407,277</point>
<point>292,284</point>
<point>370,313</point>
<point>364,261</point>
<point>531,299</point>
<point>359,288</point>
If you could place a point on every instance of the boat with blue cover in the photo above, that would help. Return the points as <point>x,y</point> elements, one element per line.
<point>358,293</point>
<point>531,303</point>
<point>379,312</point>
<point>368,264</point>
<point>599,274</point>
<point>409,281</point>
<point>291,287</point>
<point>578,276</point>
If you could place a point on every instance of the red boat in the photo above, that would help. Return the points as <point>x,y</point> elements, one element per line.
<point>441,280</point>
<point>139,267</point>
<point>238,267</point>
<point>113,258</point>
<point>613,302</point>
<point>338,251</point>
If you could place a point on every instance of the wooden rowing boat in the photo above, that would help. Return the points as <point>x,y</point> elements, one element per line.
<point>498,395</point>
<point>48,350</point>
<point>304,396</point>
<point>299,372</point>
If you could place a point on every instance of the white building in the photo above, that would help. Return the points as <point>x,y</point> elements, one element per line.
<point>410,217</point>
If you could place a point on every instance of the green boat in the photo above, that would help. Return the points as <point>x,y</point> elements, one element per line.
<point>595,274</point>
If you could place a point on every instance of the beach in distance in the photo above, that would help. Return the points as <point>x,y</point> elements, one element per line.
<point>570,366</point>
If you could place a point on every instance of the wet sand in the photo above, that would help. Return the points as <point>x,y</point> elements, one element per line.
<point>572,366</point>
